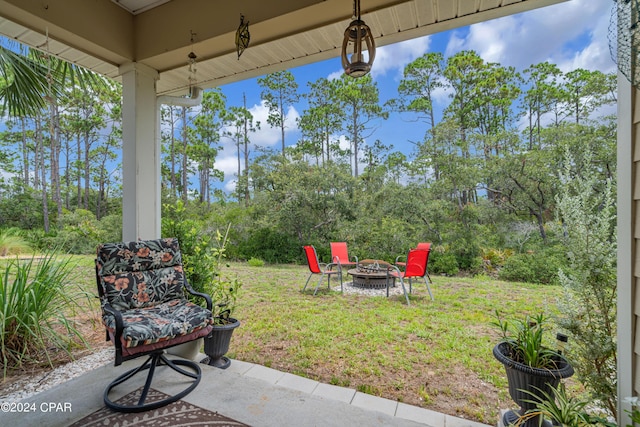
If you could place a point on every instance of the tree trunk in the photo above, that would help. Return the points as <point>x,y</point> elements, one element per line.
<point>246,154</point>
<point>355,140</point>
<point>55,153</point>
<point>43,176</point>
<point>67,174</point>
<point>78,171</point>
<point>185,183</point>
<point>25,154</point>
<point>174,184</point>
<point>87,169</point>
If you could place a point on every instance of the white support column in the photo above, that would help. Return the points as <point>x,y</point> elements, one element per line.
<point>141,177</point>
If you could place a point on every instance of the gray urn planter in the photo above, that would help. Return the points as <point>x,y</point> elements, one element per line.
<point>216,344</point>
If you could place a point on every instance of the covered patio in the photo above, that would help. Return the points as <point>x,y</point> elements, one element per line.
<point>145,44</point>
<point>247,393</point>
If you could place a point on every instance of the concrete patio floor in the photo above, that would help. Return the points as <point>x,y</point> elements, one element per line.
<point>253,394</point>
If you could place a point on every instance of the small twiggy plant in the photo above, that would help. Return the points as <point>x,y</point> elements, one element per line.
<point>223,291</point>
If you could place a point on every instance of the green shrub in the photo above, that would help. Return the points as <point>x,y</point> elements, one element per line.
<point>255,262</point>
<point>493,259</point>
<point>36,297</point>
<point>272,246</point>
<point>441,262</point>
<point>534,267</point>
<point>587,206</point>
<point>195,245</point>
<point>78,232</point>
<point>12,242</point>
<point>518,268</point>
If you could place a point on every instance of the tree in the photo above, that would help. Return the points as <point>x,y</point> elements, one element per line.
<point>169,120</point>
<point>527,185</point>
<point>360,99</point>
<point>462,72</point>
<point>106,152</point>
<point>28,81</point>
<point>422,78</point>
<point>322,120</point>
<point>279,93</point>
<point>240,122</point>
<point>208,131</point>
<point>542,93</point>
<point>585,91</point>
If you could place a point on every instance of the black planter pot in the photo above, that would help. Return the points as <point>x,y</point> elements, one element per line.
<point>523,377</point>
<point>216,344</point>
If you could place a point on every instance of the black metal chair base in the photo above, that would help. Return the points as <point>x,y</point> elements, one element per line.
<point>154,360</point>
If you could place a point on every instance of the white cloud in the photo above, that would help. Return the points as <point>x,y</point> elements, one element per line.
<point>335,75</point>
<point>266,136</point>
<point>393,58</point>
<point>569,34</point>
<point>227,162</point>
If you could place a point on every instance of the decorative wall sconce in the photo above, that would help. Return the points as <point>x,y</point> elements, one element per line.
<point>242,36</point>
<point>355,36</point>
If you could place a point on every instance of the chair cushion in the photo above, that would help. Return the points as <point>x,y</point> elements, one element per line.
<point>140,274</point>
<point>141,289</point>
<point>164,321</point>
<point>138,255</point>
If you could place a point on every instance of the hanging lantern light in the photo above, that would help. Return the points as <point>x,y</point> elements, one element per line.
<point>242,36</point>
<point>191,61</point>
<point>192,71</point>
<point>357,36</point>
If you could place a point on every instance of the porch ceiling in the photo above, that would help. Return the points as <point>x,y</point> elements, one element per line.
<point>102,35</point>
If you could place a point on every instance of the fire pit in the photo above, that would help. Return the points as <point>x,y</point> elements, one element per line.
<point>372,274</point>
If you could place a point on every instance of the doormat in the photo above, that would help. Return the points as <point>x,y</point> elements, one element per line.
<point>172,415</point>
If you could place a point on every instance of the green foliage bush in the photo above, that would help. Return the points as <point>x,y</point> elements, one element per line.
<point>272,246</point>
<point>197,260</point>
<point>587,207</point>
<point>23,209</point>
<point>534,267</point>
<point>12,242</point>
<point>493,259</point>
<point>36,298</point>
<point>441,262</point>
<point>255,262</point>
<point>79,232</point>
<point>518,268</point>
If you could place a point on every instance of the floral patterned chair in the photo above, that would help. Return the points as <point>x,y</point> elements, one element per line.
<point>145,310</point>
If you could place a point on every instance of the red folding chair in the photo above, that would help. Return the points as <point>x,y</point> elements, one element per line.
<point>340,254</point>
<point>424,246</point>
<point>316,267</point>
<point>416,266</point>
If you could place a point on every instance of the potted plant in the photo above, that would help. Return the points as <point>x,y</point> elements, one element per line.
<point>224,293</point>
<point>533,369</point>
<point>564,410</point>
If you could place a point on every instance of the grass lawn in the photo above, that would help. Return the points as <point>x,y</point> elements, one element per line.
<point>433,354</point>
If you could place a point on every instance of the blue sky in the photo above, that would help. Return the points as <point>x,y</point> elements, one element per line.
<point>571,34</point>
